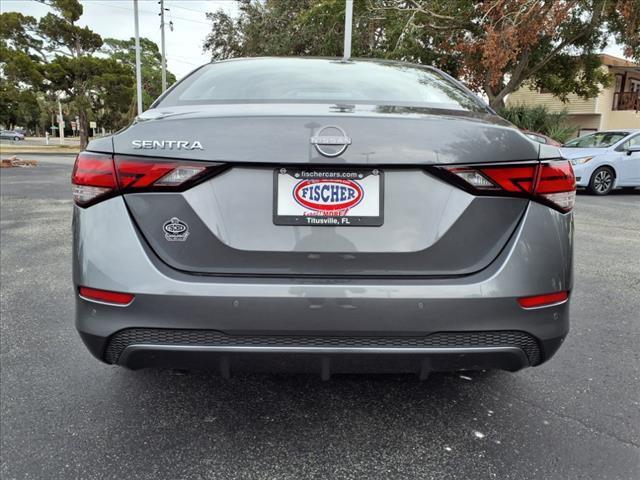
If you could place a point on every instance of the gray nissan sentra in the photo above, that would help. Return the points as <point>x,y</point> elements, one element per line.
<point>325,216</point>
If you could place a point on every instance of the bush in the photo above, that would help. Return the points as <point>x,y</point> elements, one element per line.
<point>540,119</point>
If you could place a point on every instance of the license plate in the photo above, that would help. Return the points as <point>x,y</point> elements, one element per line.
<point>333,198</point>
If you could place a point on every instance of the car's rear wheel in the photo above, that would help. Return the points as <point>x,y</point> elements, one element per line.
<point>602,181</point>
<point>16,138</point>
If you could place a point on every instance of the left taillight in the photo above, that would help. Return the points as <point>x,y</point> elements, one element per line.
<point>97,177</point>
<point>553,183</point>
<point>93,178</point>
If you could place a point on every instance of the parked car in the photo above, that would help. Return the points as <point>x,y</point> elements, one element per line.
<point>604,161</point>
<point>11,135</point>
<point>324,215</point>
<point>540,138</point>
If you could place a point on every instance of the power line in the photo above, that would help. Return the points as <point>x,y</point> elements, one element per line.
<point>149,12</point>
<point>200,11</point>
<point>186,8</point>
<point>108,5</point>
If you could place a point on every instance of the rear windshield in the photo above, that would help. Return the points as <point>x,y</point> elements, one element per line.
<point>320,81</point>
<point>597,140</point>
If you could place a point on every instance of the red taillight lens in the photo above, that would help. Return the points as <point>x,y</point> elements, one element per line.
<point>516,179</point>
<point>99,176</point>
<point>553,182</point>
<point>557,183</point>
<point>93,177</point>
<point>138,173</point>
<point>545,300</point>
<point>106,296</point>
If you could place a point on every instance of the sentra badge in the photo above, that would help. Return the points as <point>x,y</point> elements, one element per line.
<point>167,144</point>
<point>175,230</point>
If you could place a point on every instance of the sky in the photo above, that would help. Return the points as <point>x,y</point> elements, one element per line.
<point>114,18</point>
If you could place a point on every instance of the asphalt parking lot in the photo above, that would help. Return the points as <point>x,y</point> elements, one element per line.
<point>65,415</point>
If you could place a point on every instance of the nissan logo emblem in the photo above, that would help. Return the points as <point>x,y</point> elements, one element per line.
<point>331,141</point>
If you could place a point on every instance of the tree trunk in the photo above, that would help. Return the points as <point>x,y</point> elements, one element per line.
<point>497,103</point>
<point>495,95</point>
<point>83,126</point>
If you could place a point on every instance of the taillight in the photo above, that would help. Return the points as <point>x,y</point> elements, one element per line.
<point>552,183</point>
<point>557,184</point>
<point>93,177</point>
<point>98,176</point>
<point>142,174</point>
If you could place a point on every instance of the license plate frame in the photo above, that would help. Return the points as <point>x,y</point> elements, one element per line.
<point>296,210</point>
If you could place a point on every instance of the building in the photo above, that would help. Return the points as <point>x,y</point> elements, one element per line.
<point>617,106</point>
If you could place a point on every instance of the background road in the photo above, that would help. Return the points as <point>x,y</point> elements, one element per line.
<point>65,415</point>
<point>39,141</point>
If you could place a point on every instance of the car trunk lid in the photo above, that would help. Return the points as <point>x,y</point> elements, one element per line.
<point>430,227</point>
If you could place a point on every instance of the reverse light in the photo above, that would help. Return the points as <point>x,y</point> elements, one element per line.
<point>106,296</point>
<point>475,178</point>
<point>552,182</point>
<point>179,176</point>
<point>99,176</point>
<point>84,194</point>
<point>546,300</point>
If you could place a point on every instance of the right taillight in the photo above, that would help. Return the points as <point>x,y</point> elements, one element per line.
<point>557,184</point>
<point>97,176</point>
<point>553,183</point>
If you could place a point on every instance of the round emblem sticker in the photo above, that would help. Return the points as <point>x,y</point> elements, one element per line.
<point>175,230</point>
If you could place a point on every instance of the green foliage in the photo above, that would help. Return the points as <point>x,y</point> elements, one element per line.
<point>568,73</point>
<point>18,107</point>
<point>123,51</point>
<point>494,45</point>
<point>540,119</point>
<point>41,61</point>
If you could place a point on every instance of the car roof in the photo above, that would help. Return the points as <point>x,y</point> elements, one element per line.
<point>619,130</point>
<point>379,61</point>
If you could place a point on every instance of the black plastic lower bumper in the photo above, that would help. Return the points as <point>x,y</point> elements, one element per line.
<point>137,348</point>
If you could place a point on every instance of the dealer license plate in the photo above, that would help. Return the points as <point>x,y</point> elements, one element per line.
<point>334,198</point>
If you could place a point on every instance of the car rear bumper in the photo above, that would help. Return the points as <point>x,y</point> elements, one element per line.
<point>323,324</point>
<point>442,351</point>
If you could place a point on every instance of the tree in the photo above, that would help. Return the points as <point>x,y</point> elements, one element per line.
<point>499,44</point>
<point>123,51</point>
<point>55,55</point>
<point>494,46</point>
<point>18,107</point>
<point>294,27</point>
<point>19,68</point>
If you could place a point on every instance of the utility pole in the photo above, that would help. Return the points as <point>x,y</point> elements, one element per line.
<point>164,58</point>
<point>60,123</point>
<point>138,68</point>
<point>348,21</point>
